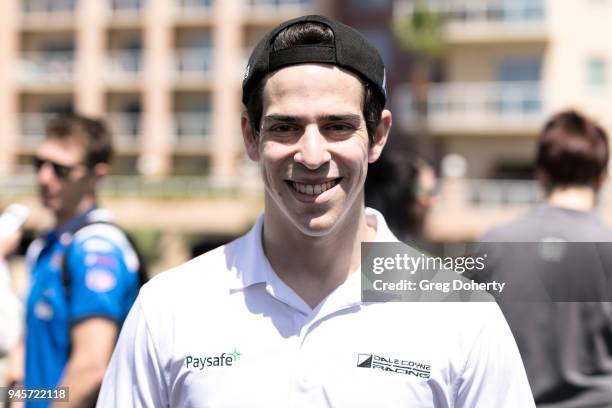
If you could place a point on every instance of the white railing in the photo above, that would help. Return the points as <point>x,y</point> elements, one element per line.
<point>193,125</point>
<point>479,102</point>
<point>279,5</point>
<point>124,62</point>
<point>482,11</point>
<point>191,61</point>
<point>125,124</point>
<point>34,125</point>
<point>127,7</point>
<point>187,7</point>
<point>47,66</point>
<point>48,9</point>
<point>141,187</point>
<point>503,192</point>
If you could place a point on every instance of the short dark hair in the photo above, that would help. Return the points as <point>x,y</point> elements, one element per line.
<point>92,132</point>
<point>572,151</point>
<point>320,34</point>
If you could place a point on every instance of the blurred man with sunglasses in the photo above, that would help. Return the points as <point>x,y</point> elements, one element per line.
<point>84,277</point>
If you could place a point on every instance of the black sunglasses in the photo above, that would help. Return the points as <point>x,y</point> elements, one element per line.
<point>60,170</point>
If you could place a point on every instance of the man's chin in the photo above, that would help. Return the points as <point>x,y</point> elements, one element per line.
<point>317,226</point>
<point>49,203</point>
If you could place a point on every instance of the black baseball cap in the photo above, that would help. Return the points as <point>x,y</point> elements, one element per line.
<point>350,51</point>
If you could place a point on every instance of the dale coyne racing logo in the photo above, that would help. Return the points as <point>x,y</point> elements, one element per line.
<point>394,365</point>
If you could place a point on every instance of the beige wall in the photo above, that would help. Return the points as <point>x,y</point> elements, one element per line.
<point>580,30</point>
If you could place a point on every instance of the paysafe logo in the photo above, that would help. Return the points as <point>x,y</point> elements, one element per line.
<point>394,365</point>
<point>220,360</point>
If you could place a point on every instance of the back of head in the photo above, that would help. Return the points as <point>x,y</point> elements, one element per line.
<point>92,133</point>
<point>572,151</point>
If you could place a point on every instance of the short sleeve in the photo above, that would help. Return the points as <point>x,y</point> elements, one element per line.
<point>100,281</point>
<point>494,375</point>
<point>134,377</point>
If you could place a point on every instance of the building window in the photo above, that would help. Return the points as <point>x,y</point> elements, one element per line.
<point>380,40</point>
<point>370,4</point>
<point>518,86</point>
<point>597,72</point>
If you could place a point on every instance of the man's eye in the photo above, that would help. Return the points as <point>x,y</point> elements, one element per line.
<point>283,128</point>
<point>340,127</point>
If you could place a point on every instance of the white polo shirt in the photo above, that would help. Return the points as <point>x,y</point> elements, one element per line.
<point>223,330</point>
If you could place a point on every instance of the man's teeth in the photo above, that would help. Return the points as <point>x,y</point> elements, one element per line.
<point>312,189</point>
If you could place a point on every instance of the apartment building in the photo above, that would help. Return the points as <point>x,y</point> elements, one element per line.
<point>165,73</point>
<point>508,65</point>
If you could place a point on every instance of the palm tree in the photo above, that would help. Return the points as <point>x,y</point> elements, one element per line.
<point>420,31</point>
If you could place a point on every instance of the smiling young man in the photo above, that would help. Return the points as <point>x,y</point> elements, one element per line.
<point>83,272</point>
<point>275,318</point>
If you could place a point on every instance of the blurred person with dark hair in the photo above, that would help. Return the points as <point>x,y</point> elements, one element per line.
<point>403,189</point>
<point>83,272</point>
<point>275,318</point>
<point>566,346</point>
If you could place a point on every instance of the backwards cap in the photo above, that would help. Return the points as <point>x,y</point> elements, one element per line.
<point>350,50</point>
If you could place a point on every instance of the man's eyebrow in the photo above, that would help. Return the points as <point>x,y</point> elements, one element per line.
<point>350,117</point>
<point>281,118</point>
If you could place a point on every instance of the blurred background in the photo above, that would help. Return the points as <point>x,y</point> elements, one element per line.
<point>470,84</point>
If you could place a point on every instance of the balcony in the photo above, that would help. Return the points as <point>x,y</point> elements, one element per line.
<point>125,11</point>
<point>193,130</point>
<point>126,129</point>
<point>477,108</point>
<point>50,69</point>
<point>47,13</point>
<point>32,129</point>
<point>124,67</point>
<point>268,12</point>
<point>194,64</point>
<point>487,21</point>
<point>194,9</point>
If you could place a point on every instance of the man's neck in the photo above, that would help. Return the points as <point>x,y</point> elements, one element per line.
<point>573,198</point>
<point>63,217</point>
<point>314,266</point>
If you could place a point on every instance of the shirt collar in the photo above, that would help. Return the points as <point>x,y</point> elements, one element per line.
<point>250,265</point>
<point>92,214</point>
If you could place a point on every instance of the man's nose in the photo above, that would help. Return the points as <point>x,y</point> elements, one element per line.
<point>45,173</point>
<point>312,149</point>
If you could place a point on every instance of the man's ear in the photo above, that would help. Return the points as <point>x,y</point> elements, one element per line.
<point>100,170</point>
<point>380,138</point>
<point>542,177</point>
<point>249,137</point>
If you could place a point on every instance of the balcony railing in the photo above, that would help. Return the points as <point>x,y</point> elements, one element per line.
<point>125,124</point>
<point>34,124</point>
<point>126,129</point>
<point>140,187</point>
<point>187,7</point>
<point>194,62</point>
<point>484,11</point>
<point>32,128</point>
<point>124,62</point>
<point>130,8</point>
<point>474,104</point>
<point>278,5</point>
<point>47,66</point>
<point>193,126</point>
<point>47,9</point>
<point>503,192</point>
